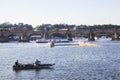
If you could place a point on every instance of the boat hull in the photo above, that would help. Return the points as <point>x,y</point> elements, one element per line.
<point>32,66</point>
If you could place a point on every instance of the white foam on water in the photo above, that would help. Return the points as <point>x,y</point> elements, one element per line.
<point>86,44</point>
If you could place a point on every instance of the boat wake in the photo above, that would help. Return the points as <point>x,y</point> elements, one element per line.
<point>50,44</point>
<point>86,44</point>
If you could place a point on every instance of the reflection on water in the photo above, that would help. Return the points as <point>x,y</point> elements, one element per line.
<point>71,62</point>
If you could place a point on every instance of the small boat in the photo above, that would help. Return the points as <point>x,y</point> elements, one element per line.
<point>50,44</point>
<point>32,66</point>
<point>64,41</point>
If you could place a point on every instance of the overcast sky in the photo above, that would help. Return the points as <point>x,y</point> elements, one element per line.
<point>37,12</point>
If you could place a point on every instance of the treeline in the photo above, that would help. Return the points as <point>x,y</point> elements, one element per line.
<point>54,27</point>
<point>57,26</point>
<point>8,25</point>
<point>78,27</point>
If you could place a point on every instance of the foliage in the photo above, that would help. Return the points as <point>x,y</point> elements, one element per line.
<point>79,27</point>
<point>19,25</point>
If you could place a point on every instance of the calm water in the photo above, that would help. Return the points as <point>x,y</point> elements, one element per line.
<point>71,62</point>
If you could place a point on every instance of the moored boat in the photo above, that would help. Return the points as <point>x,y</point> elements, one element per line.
<point>52,40</point>
<point>42,41</point>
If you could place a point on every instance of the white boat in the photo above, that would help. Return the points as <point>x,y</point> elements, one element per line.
<point>42,41</point>
<point>59,40</point>
<point>52,40</point>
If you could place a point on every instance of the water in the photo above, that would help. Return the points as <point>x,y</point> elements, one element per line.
<point>71,62</point>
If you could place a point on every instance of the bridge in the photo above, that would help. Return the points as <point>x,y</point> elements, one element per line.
<point>90,33</point>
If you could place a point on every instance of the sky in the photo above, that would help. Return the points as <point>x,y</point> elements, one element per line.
<point>37,12</point>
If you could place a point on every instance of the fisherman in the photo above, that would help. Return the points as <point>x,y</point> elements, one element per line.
<point>37,62</point>
<point>16,63</point>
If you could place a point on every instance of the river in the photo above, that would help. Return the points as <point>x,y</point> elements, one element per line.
<point>72,62</point>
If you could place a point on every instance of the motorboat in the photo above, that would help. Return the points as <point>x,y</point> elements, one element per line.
<point>50,44</point>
